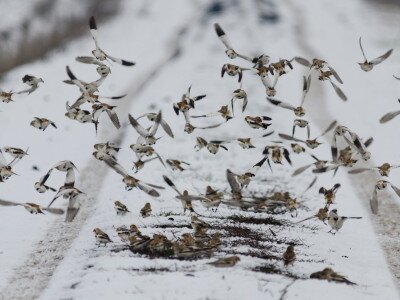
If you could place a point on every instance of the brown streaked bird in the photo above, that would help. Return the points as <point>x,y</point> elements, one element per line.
<point>99,108</point>
<point>32,81</point>
<point>298,111</point>
<point>42,123</point>
<point>120,208</point>
<point>200,143</point>
<point>330,194</point>
<point>383,170</point>
<point>138,244</point>
<point>105,149</point>
<point>66,192</point>
<point>326,75</point>
<point>244,179</point>
<point>280,66</point>
<point>258,122</point>
<point>212,198</point>
<point>189,128</point>
<point>197,223</point>
<point>246,143</point>
<point>330,275</point>
<point>277,152</point>
<point>123,232</point>
<point>224,112</point>
<point>101,236</point>
<point>310,143</point>
<point>297,148</point>
<point>369,65</point>
<point>390,115</point>
<point>187,102</point>
<point>98,52</point>
<point>225,262</point>
<point>176,165</point>
<point>232,54</point>
<point>152,117</point>
<point>130,181</point>
<point>78,114</point>
<point>141,151</point>
<point>6,97</point>
<point>148,135</point>
<point>302,124</point>
<point>318,64</point>
<point>139,164</point>
<point>233,70</point>
<point>102,69</point>
<point>321,215</point>
<point>353,140</point>
<point>134,231</point>
<point>185,198</point>
<point>239,94</point>
<point>289,256</point>
<point>33,208</point>
<point>336,222</point>
<point>381,185</point>
<point>146,210</point>
<point>212,146</point>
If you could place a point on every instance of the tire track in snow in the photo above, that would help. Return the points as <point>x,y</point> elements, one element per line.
<point>386,222</point>
<point>32,277</point>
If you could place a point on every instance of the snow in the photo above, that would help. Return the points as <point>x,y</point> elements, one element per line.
<point>158,80</point>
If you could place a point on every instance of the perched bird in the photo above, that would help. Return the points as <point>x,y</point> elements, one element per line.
<point>146,210</point>
<point>383,170</point>
<point>336,222</point>
<point>369,65</point>
<point>98,52</point>
<point>330,275</point>
<point>32,81</point>
<point>310,143</point>
<point>33,208</point>
<point>42,123</point>
<point>101,236</point>
<point>152,117</point>
<point>123,232</point>
<point>132,182</point>
<point>120,208</point>
<point>258,122</point>
<point>298,111</point>
<point>225,262</point>
<point>381,185</point>
<point>289,256</point>
<point>197,223</point>
<point>330,194</point>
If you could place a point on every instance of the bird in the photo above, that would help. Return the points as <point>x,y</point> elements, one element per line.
<point>270,85</point>
<point>146,210</point>
<point>244,179</point>
<point>330,194</point>
<point>152,117</point>
<point>224,112</point>
<point>299,111</point>
<point>40,185</point>
<point>233,70</point>
<point>197,223</point>
<point>101,236</point>
<point>321,215</point>
<point>78,114</point>
<point>336,222</point>
<point>120,208</point>
<point>102,69</point>
<point>123,232</point>
<point>99,108</point>
<point>310,143</point>
<point>369,65</point>
<point>140,163</point>
<point>176,165</point>
<point>258,122</point>
<point>246,143</point>
<point>381,185</point>
<point>383,169</point>
<point>42,123</point>
<point>130,181</point>
<point>6,168</point>
<point>105,149</point>
<point>33,208</point>
<point>389,116</point>
<point>98,52</point>
<point>187,102</point>
<point>241,95</point>
<point>67,192</point>
<point>32,81</point>
<point>148,135</point>
<point>280,66</point>
<point>318,164</point>
<point>229,50</point>
<point>140,151</point>
<point>289,256</point>
<point>302,124</point>
<point>330,275</point>
<point>225,262</point>
<point>16,153</point>
<point>6,97</point>
<point>276,152</point>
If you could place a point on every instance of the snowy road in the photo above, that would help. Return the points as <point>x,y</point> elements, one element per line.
<point>187,52</point>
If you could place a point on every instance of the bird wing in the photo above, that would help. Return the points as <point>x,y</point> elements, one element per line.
<point>290,138</point>
<point>114,118</point>
<point>330,127</point>
<point>390,115</point>
<point>281,104</point>
<point>9,203</point>
<point>381,58</point>
<point>3,161</point>
<point>172,185</point>
<point>374,201</point>
<point>396,189</point>
<point>70,178</point>
<point>148,190</point>
<point>306,88</point>
<point>157,122</point>
<point>301,170</point>
<point>89,60</point>
<point>56,211</point>
<point>338,91</point>
<point>120,61</point>
<point>166,128</point>
<point>335,74</point>
<point>93,31</point>
<point>222,36</point>
<point>302,61</point>
<point>362,50</point>
<point>359,170</point>
<point>143,132</point>
<point>115,165</point>
<point>235,187</point>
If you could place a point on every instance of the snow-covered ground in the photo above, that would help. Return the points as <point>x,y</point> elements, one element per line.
<point>41,256</point>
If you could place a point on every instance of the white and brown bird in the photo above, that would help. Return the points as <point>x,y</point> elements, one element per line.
<point>146,210</point>
<point>120,208</point>
<point>101,236</point>
<point>225,262</point>
<point>258,121</point>
<point>177,165</point>
<point>369,65</point>
<point>98,52</point>
<point>381,185</point>
<point>147,134</point>
<point>383,169</point>
<point>42,123</point>
<point>336,222</point>
<point>233,70</point>
<point>152,117</point>
<point>99,108</point>
<point>289,256</point>
<point>6,97</point>
<point>33,208</point>
<point>102,69</point>
<point>32,81</point>
<point>330,275</point>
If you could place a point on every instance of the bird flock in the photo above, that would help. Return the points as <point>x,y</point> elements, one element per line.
<point>347,149</point>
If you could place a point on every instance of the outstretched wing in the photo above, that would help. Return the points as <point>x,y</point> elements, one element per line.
<point>381,58</point>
